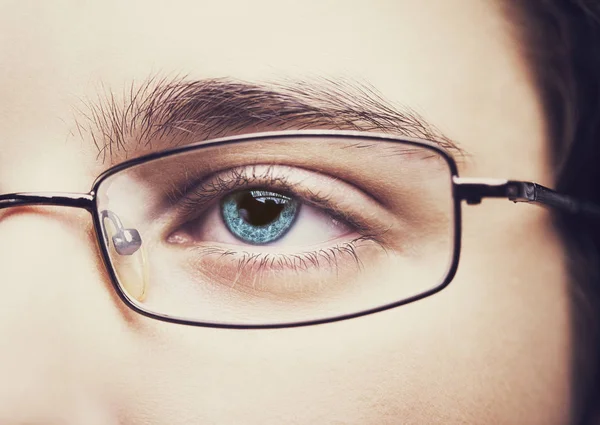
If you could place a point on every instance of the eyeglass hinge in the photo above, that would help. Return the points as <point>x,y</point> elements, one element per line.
<point>473,190</point>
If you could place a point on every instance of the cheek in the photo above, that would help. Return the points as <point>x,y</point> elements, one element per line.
<point>510,311</point>
<point>493,347</point>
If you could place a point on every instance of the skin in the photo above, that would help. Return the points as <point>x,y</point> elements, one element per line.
<point>493,347</point>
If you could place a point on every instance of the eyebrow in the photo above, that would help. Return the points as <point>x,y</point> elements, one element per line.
<point>163,113</point>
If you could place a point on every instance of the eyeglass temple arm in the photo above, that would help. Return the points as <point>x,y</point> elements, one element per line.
<point>126,241</point>
<point>75,200</point>
<point>473,190</point>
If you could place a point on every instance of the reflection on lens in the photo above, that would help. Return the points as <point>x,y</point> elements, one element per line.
<point>259,217</point>
<point>282,230</point>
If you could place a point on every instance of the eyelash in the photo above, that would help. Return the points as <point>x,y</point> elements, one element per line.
<point>223,183</point>
<point>293,262</point>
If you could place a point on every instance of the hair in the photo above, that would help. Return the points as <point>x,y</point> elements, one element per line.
<point>560,41</point>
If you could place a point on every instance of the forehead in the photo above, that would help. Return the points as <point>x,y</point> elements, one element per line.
<point>454,62</point>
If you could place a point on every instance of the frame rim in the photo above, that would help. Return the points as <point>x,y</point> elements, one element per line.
<point>456,204</point>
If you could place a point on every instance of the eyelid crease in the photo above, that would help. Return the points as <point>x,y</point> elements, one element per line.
<point>236,180</point>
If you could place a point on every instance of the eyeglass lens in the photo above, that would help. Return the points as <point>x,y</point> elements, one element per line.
<point>279,230</point>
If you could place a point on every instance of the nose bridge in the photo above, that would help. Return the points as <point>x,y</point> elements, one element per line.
<point>57,313</point>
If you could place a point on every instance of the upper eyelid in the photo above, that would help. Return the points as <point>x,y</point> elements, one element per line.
<point>198,193</point>
<point>188,204</point>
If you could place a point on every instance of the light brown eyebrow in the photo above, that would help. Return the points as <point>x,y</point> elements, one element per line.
<point>161,113</point>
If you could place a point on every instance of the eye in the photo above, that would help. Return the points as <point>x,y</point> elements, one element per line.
<point>267,218</point>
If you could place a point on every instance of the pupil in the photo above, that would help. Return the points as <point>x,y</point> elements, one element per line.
<point>258,211</point>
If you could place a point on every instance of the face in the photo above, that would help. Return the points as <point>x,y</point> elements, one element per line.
<point>492,347</point>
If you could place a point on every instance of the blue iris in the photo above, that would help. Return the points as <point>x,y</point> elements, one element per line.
<point>257,216</point>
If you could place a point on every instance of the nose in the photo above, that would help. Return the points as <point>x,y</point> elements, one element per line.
<point>60,323</point>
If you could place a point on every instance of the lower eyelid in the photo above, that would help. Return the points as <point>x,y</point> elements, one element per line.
<point>262,272</point>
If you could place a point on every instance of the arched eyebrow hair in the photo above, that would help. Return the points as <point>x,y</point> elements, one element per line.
<point>161,113</point>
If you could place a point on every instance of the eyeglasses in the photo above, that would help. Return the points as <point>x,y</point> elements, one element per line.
<point>284,229</point>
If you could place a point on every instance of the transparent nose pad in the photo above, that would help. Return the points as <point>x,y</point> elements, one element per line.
<point>128,256</point>
<point>132,272</point>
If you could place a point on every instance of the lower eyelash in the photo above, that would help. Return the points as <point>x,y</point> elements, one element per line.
<point>263,261</point>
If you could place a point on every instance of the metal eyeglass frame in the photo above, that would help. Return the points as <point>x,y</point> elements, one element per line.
<point>471,190</point>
